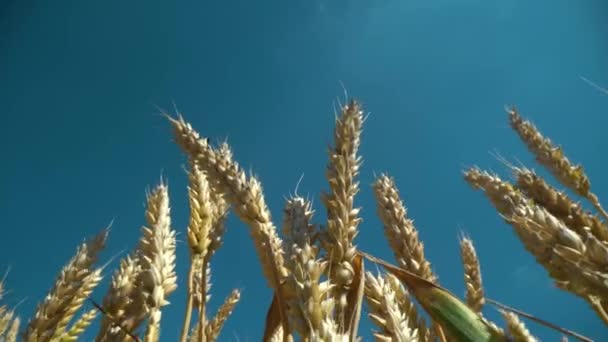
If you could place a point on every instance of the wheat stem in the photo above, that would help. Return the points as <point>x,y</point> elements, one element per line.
<point>189,302</point>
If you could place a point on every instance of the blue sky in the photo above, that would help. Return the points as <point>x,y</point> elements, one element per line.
<point>82,140</point>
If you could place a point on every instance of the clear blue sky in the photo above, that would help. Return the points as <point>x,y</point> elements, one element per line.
<point>81,138</point>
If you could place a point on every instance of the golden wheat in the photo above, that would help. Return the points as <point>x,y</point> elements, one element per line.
<point>315,270</point>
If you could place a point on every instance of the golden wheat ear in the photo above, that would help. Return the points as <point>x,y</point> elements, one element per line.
<point>342,216</point>
<point>9,324</point>
<point>157,279</point>
<point>145,280</point>
<point>572,260</point>
<point>308,298</point>
<point>386,312</point>
<point>516,328</point>
<point>399,229</point>
<point>213,329</point>
<point>115,326</point>
<point>199,228</point>
<point>407,306</point>
<point>244,193</point>
<point>72,287</point>
<point>554,159</point>
<point>6,317</point>
<point>117,299</point>
<point>560,205</point>
<point>79,326</point>
<point>401,233</point>
<point>472,275</point>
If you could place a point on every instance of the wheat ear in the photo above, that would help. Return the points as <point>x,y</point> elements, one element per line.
<point>342,217</point>
<point>201,220</point>
<point>79,326</point>
<point>6,316</point>
<point>401,233</point>
<point>406,305</point>
<point>13,330</point>
<point>567,256</point>
<point>158,279</point>
<point>214,327</point>
<point>242,192</point>
<point>560,204</point>
<point>472,275</point>
<point>516,328</point>
<point>308,300</point>
<point>399,229</point>
<point>118,298</point>
<point>75,282</point>
<point>553,158</point>
<point>385,311</point>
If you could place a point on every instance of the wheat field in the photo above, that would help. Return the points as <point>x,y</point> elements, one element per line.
<point>323,284</point>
